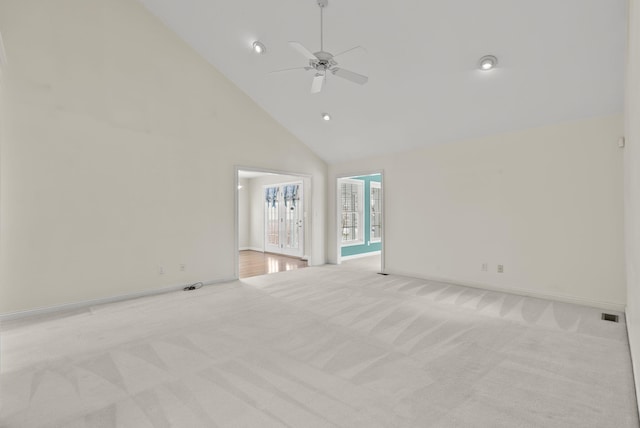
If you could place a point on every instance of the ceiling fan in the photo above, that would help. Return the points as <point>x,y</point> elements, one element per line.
<point>321,61</point>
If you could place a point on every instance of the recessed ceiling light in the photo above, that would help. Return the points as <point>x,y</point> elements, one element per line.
<point>326,116</point>
<point>259,48</point>
<point>488,62</point>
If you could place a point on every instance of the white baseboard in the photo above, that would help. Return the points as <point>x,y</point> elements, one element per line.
<point>94,302</point>
<point>635,363</point>
<point>260,250</point>
<point>361,255</point>
<point>618,307</point>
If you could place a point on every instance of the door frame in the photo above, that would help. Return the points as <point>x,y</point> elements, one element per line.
<point>338,213</point>
<point>308,219</point>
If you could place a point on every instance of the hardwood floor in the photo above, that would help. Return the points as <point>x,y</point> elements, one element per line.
<point>254,263</point>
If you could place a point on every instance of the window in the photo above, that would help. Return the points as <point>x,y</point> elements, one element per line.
<point>375,212</point>
<point>351,198</point>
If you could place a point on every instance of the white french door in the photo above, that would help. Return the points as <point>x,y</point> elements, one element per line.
<point>283,219</point>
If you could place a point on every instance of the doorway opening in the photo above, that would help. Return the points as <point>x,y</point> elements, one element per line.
<point>360,221</point>
<point>273,233</point>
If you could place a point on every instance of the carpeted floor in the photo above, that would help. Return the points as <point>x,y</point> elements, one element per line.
<point>320,347</point>
<point>370,263</point>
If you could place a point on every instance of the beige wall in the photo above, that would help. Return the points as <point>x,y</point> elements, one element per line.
<point>546,203</point>
<point>632,186</point>
<point>119,156</point>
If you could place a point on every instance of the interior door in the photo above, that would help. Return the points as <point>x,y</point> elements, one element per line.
<point>284,224</point>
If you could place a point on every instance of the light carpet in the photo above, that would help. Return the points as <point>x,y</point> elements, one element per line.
<point>320,347</point>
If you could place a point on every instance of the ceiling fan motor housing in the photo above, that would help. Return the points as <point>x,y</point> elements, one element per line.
<point>324,62</point>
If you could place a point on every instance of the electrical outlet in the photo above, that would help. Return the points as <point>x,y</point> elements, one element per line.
<point>500,268</point>
<point>160,270</point>
<point>485,267</point>
<point>183,268</point>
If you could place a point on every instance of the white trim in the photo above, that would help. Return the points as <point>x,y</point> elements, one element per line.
<point>384,217</point>
<point>260,250</point>
<point>618,307</point>
<point>352,243</point>
<point>636,373</point>
<point>236,224</point>
<point>94,302</point>
<point>362,255</point>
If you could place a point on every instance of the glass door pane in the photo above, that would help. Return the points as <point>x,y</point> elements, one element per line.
<point>293,214</point>
<point>292,230</point>
<point>272,218</point>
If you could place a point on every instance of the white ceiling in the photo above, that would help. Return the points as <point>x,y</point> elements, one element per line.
<point>558,60</point>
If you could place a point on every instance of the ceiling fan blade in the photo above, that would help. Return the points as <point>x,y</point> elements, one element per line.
<point>316,85</point>
<point>303,51</point>
<point>290,69</point>
<point>352,49</point>
<point>350,75</point>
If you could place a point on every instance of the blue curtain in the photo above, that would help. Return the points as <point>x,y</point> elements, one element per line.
<point>271,195</point>
<point>291,194</point>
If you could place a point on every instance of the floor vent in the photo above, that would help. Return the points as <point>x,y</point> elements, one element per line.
<point>610,317</point>
<point>382,273</point>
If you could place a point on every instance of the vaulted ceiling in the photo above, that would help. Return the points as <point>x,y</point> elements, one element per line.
<point>558,61</point>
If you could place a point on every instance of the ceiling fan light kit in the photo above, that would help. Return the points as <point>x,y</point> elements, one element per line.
<point>323,61</point>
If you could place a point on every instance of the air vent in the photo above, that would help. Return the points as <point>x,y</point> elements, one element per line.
<point>609,317</point>
<point>193,286</point>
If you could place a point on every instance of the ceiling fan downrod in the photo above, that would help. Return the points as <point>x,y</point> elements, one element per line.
<point>322,4</point>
